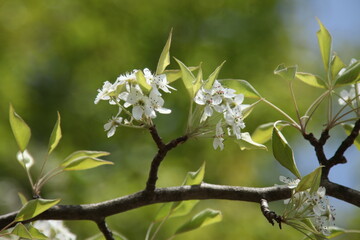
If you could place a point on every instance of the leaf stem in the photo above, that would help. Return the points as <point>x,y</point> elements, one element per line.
<point>294,123</point>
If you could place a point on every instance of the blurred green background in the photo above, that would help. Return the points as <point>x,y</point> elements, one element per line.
<point>54,55</point>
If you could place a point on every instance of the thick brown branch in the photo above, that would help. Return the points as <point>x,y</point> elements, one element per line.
<point>204,191</point>
<point>102,210</point>
<point>163,149</point>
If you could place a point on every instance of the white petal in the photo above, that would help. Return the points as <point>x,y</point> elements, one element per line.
<point>111,132</point>
<point>163,110</point>
<point>137,112</point>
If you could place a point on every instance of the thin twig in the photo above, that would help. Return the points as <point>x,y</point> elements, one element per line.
<point>270,215</point>
<point>104,229</point>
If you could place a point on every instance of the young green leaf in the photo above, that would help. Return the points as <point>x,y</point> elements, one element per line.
<point>188,78</point>
<point>22,198</point>
<point>36,234</point>
<point>213,76</point>
<point>195,178</point>
<point>350,76</point>
<point>142,80</point>
<point>288,73</point>
<point>311,79</point>
<point>348,128</point>
<point>83,153</point>
<point>246,143</point>
<point>336,65</point>
<point>174,74</point>
<point>199,80</point>
<point>21,231</point>
<point>20,129</point>
<point>164,59</point>
<point>312,181</point>
<point>34,207</point>
<point>336,231</point>
<point>283,152</point>
<point>263,133</point>
<point>202,219</point>
<point>84,163</point>
<point>55,135</point>
<point>176,209</point>
<point>324,40</point>
<point>242,86</point>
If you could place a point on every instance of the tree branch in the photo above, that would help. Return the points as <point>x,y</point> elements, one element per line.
<point>270,215</point>
<point>101,210</point>
<point>163,149</point>
<point>104,229</point>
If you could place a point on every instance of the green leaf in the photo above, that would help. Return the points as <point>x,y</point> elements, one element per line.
<point>283,152</point>
<point>83,153</point>
<point>21,231</point>
<point>311,79</point>
<point>348,128</point>
<point>195,178</point>
<point>199,80</point>
<point>55,135</point>
<point>288,73</point>
<point>350,76</point>
<point>84,163</point>
<point>174,74</point>
<point>324,39</point>
<point>263,133</point>
<point>176,209</point>
<point>336,231</point>
<point>312,181</point>
<point>36,234</point>
<point>242,86</point>
<point>209,83</point>
<point>34,207</point>
<point>22,198</point>
<point>336,65</point>
<point>20,129</point>
<point>246,143</point>
<point>202,219</point>
<point>142,80</point>
<point>188,78</point>
<point>164,59</point>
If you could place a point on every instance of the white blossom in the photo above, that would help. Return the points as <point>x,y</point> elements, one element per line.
<point>291,183</point>
<point>54,230</point>
<point>218,139</point>
<point>111,126</point>
<point>25,159</point>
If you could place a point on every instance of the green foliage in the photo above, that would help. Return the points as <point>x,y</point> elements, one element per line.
<point>20,129</point>
<point>34,207</point>
<point>55,135</point>
<point>282,151</point>
<point>311,79</point>
<point>81,160</point>
<point>288,73</point>
<point>324,40</point>
<point>28,232</point>
<point>202,219</point>
<point>213,76</point>
<point>247,143</point>
<point>164,59</point>
<point>312,181</point>
<point>187,77</point>
<point>242,86</point>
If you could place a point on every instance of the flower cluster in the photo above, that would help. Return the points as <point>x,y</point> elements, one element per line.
<point>226,102</point>
<point>306,205</point>
<point>127,93</point>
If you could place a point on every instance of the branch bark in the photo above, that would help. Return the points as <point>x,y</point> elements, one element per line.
<point>204,191</point>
